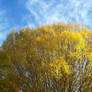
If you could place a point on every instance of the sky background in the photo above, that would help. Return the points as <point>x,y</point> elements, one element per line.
<point>32,13</point>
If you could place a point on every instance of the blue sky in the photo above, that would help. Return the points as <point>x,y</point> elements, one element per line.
<point>32,13</point>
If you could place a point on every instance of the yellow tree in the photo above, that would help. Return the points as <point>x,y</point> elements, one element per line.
<point>52,58</point>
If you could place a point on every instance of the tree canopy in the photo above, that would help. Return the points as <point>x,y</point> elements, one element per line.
<point>52,58</point>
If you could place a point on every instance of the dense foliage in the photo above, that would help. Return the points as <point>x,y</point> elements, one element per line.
<point>55,58</point>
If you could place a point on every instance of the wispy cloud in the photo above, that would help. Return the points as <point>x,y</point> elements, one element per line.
<point>3,20</point>
<point>4,25</point>
<point>51,11</point>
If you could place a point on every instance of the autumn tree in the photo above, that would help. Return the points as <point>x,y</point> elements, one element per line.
<point>53,58</point>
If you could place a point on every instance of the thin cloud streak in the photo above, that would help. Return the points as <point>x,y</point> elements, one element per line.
<point>43,12</point>
<point>4,26</point>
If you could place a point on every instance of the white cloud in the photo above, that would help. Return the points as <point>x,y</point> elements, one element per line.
<point>4,25</point>
<point>3,20</point>
<point>49,11</point>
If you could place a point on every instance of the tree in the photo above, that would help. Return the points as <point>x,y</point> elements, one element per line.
<point>54,58</point>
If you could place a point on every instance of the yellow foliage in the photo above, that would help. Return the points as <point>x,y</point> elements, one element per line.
<point>72,39</point>
<point>38,38</point>
<point>59,66</point>
<point>89,56</point>
<point>46,57</point>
